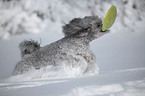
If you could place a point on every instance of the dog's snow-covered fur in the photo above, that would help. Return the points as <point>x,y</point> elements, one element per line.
<point>72,49</point>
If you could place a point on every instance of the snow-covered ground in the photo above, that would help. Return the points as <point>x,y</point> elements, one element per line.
<point>120,56</point>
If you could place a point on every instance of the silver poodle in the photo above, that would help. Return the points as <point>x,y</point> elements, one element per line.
<point>73,48</point>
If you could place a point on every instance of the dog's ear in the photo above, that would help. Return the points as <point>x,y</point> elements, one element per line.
<point>82,34</point>
<point>73,27</point>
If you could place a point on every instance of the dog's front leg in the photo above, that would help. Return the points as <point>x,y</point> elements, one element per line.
<point>91,59</point>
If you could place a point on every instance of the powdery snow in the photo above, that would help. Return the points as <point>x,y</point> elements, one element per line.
<point>120,54</point>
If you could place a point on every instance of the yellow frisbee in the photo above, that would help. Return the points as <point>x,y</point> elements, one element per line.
<point>109,18</point>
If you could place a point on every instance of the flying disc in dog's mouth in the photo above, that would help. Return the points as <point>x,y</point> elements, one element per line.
<point>109,18</point>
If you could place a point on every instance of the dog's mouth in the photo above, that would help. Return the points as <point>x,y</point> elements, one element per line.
<point>101,33</point>
<point>104,31</point>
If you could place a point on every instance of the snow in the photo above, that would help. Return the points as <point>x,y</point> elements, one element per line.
<point>121,83</point>
<point>120,54</point>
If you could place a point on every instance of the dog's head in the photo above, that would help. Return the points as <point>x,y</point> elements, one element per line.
<point>89,27</point>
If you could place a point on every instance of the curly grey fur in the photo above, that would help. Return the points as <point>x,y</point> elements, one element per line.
<point>28,47</point>
<point>72,49</point>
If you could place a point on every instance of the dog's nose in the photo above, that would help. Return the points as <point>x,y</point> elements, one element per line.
<point>100,26</point>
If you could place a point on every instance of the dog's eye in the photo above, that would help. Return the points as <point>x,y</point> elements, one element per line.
<point>87,29</point>
<point>98,25</point>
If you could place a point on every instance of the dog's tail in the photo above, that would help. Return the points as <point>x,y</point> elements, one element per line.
<point>28,47</point>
